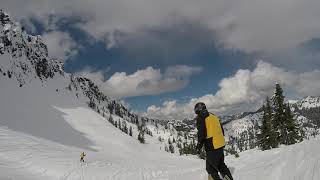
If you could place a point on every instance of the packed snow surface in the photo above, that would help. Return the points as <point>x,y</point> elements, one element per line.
<point>118,156</point>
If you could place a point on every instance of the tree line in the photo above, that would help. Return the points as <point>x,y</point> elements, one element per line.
<point>278,123</point>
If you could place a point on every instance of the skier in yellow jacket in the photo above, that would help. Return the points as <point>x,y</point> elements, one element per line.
<point>82,155</point>
<point>211,134</point>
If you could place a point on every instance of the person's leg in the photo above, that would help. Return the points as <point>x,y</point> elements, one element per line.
<point>223,169</point>
<point>211,165</point>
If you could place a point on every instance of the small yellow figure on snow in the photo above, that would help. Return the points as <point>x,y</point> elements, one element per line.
<point>82,155</point>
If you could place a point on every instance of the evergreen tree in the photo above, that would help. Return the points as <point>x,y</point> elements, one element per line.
<point>130,131</point>
<point>180,151</point>
<point>292,129</point>
<point>119,125</point>
<point>264,136</point>
<point>278,123</point>
<point>279,114</point>
<point>157,125</point>
<point>267,138</point>
<point>111,119</point>
<point>125,128</point>
<point>169,141</point>
<point>272,131</point>
<point>287,128</point>
<point>166,148</point>
<point>141,137</point>
<point>179,145</point>
<point>171,148</point>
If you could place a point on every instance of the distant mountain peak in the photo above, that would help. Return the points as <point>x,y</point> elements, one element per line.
<point>309,102</point>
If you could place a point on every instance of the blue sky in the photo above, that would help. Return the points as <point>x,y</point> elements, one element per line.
<point>189,47</point>
<point>160,57</point>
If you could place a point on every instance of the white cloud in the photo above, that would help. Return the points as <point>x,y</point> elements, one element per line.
<point>147,81</point>
<point>60,45</point>
<point>309,83</point>
<point>244,91</point>
<point>251,25</point>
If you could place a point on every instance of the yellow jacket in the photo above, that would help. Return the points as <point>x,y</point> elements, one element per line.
<point>214,131</point>
<point>210,131</point>
<point>82,155</point>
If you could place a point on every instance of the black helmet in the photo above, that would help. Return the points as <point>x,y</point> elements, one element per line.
<point>199,107</point>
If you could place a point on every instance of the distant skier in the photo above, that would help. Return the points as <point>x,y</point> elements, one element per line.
<point>210,133</point>
<point>82,155</point>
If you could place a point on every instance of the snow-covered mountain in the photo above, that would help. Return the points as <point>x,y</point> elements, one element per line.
<point>308,108</point>
<point>241,128</point>
<point>25,64</point>
<point>308,103</point>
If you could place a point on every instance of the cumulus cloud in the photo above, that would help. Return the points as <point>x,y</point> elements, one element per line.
<point>60,45</point>
<point>147,81</point>
<point>250,25</point>
<point>244,91</point>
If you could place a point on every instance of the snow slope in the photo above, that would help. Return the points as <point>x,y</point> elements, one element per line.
<point>119,156</point>
<point>30,109</point>
<point>296,162</point>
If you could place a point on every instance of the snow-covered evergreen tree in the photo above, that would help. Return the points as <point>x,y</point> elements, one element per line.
<point>279,114</point>
<point>264,136</point>
<point>141,137</point>
<point>292,129</point>
<point>267,137</point>
<point>171,148</point>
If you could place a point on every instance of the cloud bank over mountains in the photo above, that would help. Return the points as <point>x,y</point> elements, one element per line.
<point>147,81</point>
<point>244,91</point>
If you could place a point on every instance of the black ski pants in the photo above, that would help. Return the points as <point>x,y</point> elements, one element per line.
<point>215,164</point>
